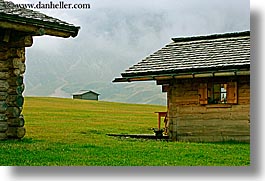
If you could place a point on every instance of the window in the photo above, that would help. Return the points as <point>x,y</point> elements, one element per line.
<point>218,93</point>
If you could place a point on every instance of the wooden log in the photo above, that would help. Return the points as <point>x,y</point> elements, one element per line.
<point>16,132</point>
<point>212,132</point>
<point>13,112</point>
<point>3,106</point>
<point>213,138</point>
<point>35,30</point>
<point>3,127</point>
<point>7,35</point>
<point>3,136</point>
<point>3,117</point>
<point>3,96</point>
<point>16,122</point>
<point>15,100</point>
<point>18,42</point>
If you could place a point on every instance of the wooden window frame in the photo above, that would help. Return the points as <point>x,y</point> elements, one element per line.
<point>231,93</point>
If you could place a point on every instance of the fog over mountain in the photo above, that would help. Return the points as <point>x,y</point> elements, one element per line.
<point>116,34</point>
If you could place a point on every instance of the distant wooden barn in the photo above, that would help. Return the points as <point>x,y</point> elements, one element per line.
<point>86,95</point>
<point>207,81</point>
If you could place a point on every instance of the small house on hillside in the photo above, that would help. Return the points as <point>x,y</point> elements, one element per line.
<point>86,95</point>
<point>207,81</point>
<point>18,26</point>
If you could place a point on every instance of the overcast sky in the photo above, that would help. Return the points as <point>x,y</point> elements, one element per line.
<point>115,34</point>
<point>178,17</point>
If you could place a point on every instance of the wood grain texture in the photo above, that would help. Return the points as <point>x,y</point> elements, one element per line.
<point>189,120</point>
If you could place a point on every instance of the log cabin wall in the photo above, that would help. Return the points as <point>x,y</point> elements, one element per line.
<point>189,120</point>
<point>12,68</point>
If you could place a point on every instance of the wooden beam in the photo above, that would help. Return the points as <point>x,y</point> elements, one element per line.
<point>163,82</point>
<point>162,79</point>
<point>220,74</point>
<point>188,76</point>
<point>7,35</point>
<point>165,77</point>
<point>165,87</point>
<point>199,75</point>
<point>25,41</point>
<point>247,72</point>
<point>141,78</point>
<point>120,80</point>
<point>34,30</point>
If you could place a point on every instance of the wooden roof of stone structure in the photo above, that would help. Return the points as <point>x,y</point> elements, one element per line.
<point>191,55</point>
<point>33,22</point>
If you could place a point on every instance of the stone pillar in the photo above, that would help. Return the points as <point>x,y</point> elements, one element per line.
<point>12,68</point>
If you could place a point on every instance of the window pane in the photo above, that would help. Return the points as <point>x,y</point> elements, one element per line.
<point>223,93</point>
<point>217,93</point>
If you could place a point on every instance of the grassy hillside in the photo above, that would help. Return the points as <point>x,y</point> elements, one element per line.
<point>73,132</point>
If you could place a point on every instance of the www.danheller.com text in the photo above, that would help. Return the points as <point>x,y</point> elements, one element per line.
<point>53,5</point>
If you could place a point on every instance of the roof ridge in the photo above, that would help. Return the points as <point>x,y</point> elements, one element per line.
<point>212,36</point>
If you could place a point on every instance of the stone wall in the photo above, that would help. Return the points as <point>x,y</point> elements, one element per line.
<point>12,68</point>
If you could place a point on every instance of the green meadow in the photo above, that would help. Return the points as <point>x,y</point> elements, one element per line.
<point>66,132</point>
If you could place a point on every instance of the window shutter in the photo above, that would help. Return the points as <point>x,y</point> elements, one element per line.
<point>203,98</point>
<point>232,92</point>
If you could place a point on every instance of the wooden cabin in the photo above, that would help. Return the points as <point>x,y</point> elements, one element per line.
<point>17,29</point>
<point>207,81</point>
<point>86,95</point>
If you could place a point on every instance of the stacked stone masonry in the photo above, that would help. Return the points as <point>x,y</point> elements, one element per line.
<point>12,68</point>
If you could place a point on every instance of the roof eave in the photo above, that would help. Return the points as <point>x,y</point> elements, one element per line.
<point>203,74</point>
<point>189,70</point>
<point>38,28</point>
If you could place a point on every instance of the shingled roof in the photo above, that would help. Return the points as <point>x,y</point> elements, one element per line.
<point>81,92</point>
<point>39,23</point>
<point>218,52</point>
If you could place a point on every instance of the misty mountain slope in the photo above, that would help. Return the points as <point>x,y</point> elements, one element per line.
<point>145,92</point>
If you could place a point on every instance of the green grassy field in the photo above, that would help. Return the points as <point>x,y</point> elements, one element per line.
<point>66,132</point>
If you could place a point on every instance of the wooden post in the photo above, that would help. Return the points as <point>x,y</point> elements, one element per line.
<point>159,115</point>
